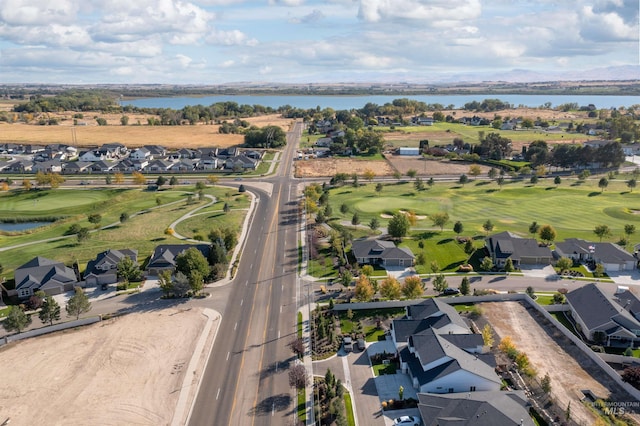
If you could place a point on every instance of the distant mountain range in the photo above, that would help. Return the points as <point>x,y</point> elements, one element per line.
<point>612,73</point>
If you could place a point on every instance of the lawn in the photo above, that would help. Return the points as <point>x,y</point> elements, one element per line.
<point>142,232</point>
<point>348,406</point>
<point>380,369</point>
<point>511,208</point>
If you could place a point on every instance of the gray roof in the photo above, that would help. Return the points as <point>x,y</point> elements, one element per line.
<point>604,252</point>
<point>40,271</point>
<point>379,249</point>
<point>483,408</point>
<point>596,309</point>
<point>108,260</point>
<point>505,245</point>
<point>164,256</point>
<point>629,302</point>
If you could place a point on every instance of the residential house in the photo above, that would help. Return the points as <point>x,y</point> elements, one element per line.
<point>380,252</point>
<point>158,166</point>
<point>482,408</point>
<point>185,165</point>
<point>613,257</point>
<point>141,154</point>
<point>19,166</point>
<point>76,167</point>
<point>164,256</point>
<point>39,273</point>
<point>50,166</point>
<point>33,149</point>
<point>601,317</point>
<point>522,251</point>
<point>324,142</point>
<point>449,363</point>
<point>241,162</point>
<point>428,314</point>
<point>438,351</point>
<point>256,155</point>
<point>629,303</point>
<point>102,166</point>
<point>404,150</point>
<point>113,150</point>
<point>156,151</point>
<point>104,268</point>
<point>92,155</point>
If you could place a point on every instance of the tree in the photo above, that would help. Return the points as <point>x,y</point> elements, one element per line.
<point>367,270</point>
<point>440,283</point>
<point>440,219</point>
<point>190,261</point>
<point>108,179</point>
<point>82,234</point>
<point>398,226</point>
<point>345,278</point>
<point>374,223</point>
<point>138,178</point>
<point>364,290</point>
<point>547,234</point>
<point>128,270</point>
<point>298,376</point>
<point>492,173</point>
<point>78,304</point>
<point>469,247</point>
<point>463,179</point>
<point>458,227</point>
<point>500,181</point>
<point>226,208</point>
<point>534,227</point>
<point>412,287</point>
<point>390,288</point>
<point>16,320</point>
<point>474,170</point>
<point>533,180</point>
<point>369,174</point>
<point>355,219</point>
<point>557,180</point>
<point>212,179</point>
<point>545,384</point>
<point>161,180</point>
<point>465,286</point>
<point>50,311</point>
<point>631,375</point>
<point>379,187</point>
<point>412,173</point>
<point>488,226</point>
<point>344,208</point>
<point>599,271</point>
<point>241,188</point>
<point>508,266</point>
<point>173,181</point>
<point>297,346</point>
<point>26,184</point>
<point>602,231</point>
<point>401,393</point>
<point>603,183</point>
<point>124,216</point>
<point>486,264</point>
<point>531,292</point>
<point>118,178</point>
<point>629,229</point>
<point>487,336</point>
<point>95,218</point>
<point>434,266</point>
<point>631,183</point>
<point>418,184</point>
<point>564,264</point>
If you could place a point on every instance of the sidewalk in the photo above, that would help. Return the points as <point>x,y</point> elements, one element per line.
<point>307,360</point>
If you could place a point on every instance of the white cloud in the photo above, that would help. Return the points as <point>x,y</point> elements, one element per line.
<point>184,60</point>
<point>33,12</point>
<point>426,11</point>
<point>230,38</point>
<point>607,26</point>
<point>286,2</point>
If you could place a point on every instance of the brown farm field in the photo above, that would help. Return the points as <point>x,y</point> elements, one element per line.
<point>88,133</point>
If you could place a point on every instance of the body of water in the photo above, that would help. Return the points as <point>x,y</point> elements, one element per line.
<point>359,101</point>
<point>24,226</point>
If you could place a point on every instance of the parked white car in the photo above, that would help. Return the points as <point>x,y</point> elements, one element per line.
<point>407,421</point>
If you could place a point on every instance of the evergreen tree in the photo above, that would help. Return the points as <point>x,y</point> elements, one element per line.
<point>50,311</point>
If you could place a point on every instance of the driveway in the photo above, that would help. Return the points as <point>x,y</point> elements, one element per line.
<point>625,277</point>
<point>400,272</point>
<point>389,384</point>
<point>538,271</point>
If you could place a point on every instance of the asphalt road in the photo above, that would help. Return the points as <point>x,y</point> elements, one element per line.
<point>245,381</point>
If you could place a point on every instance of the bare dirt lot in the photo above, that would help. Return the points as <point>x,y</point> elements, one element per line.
<point>430,167</point>
<point>88,133</point>
<point>549,352</point>
<point>123,371</point>
<point>331,166</point>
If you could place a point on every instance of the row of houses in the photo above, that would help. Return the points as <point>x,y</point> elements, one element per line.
<point>527,251</point>
<point>506,245</point>
<point>116,158</point>
<point>54,277</point>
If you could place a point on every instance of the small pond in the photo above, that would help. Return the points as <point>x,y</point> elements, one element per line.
<point>23,226</point>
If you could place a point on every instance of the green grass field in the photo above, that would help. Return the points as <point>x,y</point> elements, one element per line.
<point>142,232</point>
<point>573,209</point>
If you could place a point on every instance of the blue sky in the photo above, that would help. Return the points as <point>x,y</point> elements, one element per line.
<point>307,41</point>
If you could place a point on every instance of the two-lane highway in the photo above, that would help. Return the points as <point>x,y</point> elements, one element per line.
<point>245,381</point>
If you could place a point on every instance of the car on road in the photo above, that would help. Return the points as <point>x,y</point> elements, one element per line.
<point>450,291</point>
<point>406,421</point>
